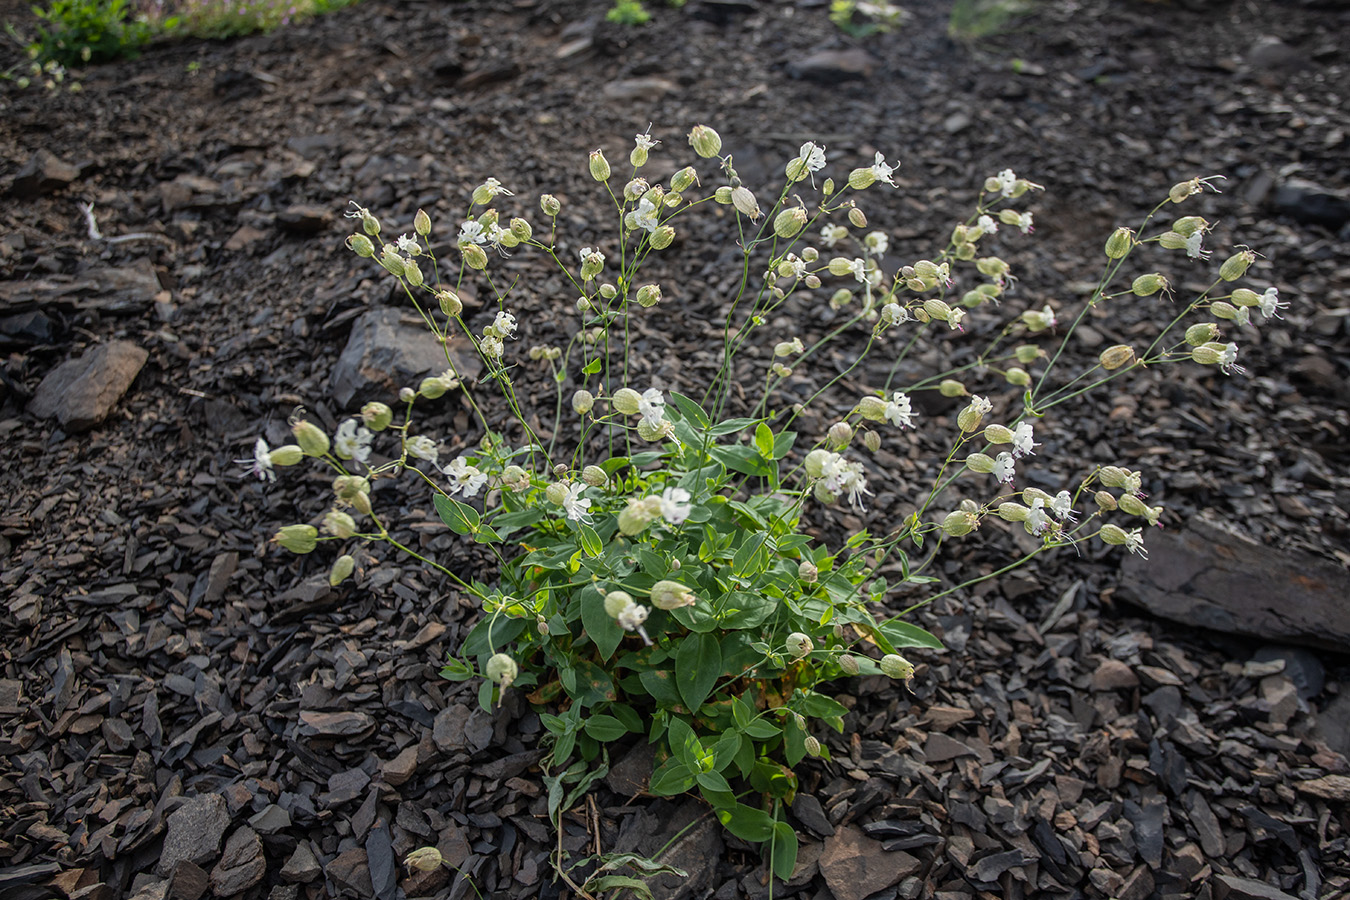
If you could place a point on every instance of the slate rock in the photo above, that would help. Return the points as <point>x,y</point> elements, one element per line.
<point>1310,204</point>
<point>241,866</point>
<point>42,174</point>
<point>1113,675</point>
<point>1304,668</point>
<point>193,832</point>
<point>402,767</point>
<point>349,873</point>
<point>806,807</point>
<point>629,776</point>
<point>1328,787</point>
<point>855,866</point>
<point>304,219</point>
<point>1232,887</point>
<point>302,867</point>
<point>1210,578</point>
<point>834,66</point>
<point>81,392</point>
<point>390,349</point>
<point>188,882</point>
<point>696,851</point>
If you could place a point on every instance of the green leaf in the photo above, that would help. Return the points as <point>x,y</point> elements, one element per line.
<point>750,610</point>
<point>661,686</point>
<point>683,743</point>
<point>741,459</point>
<point>591,367</point>
<point>628,717</point>
<point>670,778</point>
<point>742,712</point>
<point>590,541</point>
<point>762,730</point>
<point>696,618</point>
<point>730,426</point>
<point>747,823</point>
<point>784,850</point>
<point>782,444</point>
<point>593,684</point>
<point>600,628</point>
<point>713,781</point>
<point>751,558</point>
<point>822,707</point>
<point>764,440</point>
<point>554,724</point>
<point>504,631</point>
<point>485,535</point>
<point>597,886</point>
<point>460,518</point>
<point>698,662</point>
<point>692,411</point>
<point>605,728</point>
<point>903,634</point>
<point>456,670</point>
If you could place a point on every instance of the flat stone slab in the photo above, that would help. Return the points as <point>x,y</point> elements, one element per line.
<point>1207,577</point>
<point>81,392</point>
<point>390,349</point>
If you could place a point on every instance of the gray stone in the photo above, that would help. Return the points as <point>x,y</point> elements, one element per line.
<point>1231,887</point>
<point>696,851</point>
<point>448,730</point>
<point>1304,668</point>
<point>402,767</point>
<point>42,174</point>
<point>193,832</point>
<point>1310,204</point>
<point>81,392</point>
<point>1114,675</point>
<point>390,349</point>
<point>834,66</point>
<point>271,820</point>
<point>302,867</point>
<point>855,866</point>
<point>806,807</point>
<point>350,873</point>
<point>188,882</point>
<point>1206,825</point>
<point>241,866</point>
<point>629,776</point>
<point>304,219</point>
<point>1210,578</point>
<point>1333,723</point>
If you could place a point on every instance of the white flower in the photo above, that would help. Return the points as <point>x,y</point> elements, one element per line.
<point>652,407</point>
<point>504,324</point>
<point>494,235</point>
<point>853,481</point>
<point>493,188</point>
<point>883,171</point>
<point>408,245</point>
<point>954,319</point>
<point>1228,360</point>
<point>646,216</point>
<point>1270,304</point>
<point>812,156</point>
<point>1024,223</point>
<point>898,411</point>
<point>1243,316</point>
<point>1037,522</point>
<point>491,347</point>
<point>1004,470</point>
<point>675,505</point>
<point>577,509</point>
<point>645,141</point>
<point>1193,242</point>
<point>859,269</point>
<point>1006,179</point>
<point>877,242</point>
<point>1022,443</point>
<point>833,234</point>
<point>352,442</point>
<point>468,480</point>
<point>1134,542</point>
<point>797,265</point>
<point>981,405</point>
<point>632,616</point>
<point>260,464</point>
<point>1062,507</point>
<point>589,254</point>
<point>422,447</point>
<point>471,232</point>
<point>986,225</point>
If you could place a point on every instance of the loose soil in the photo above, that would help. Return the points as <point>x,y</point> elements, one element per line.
<point>158,651</point>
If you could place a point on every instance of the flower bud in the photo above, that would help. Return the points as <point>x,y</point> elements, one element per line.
<point>1184,189</point>
<point>1189,225</point>
<point>937,309</point>
<point>1148,285</point>
<point>297,538</point>
<point>1105,501</point>
<point>342,569</point>
<point>671,595</point>
<point>861,179</point>
<point>857,217</point>
<point>998,434</point>
<point>811,746</point>
<point>406,395</point>
<point>662,237</point>
<point>376,416</point>
<point>616,602</point>
<point>638,156</point>
<point>361,245</point>
<point>969,419</point>
<point>501,669</point>
<point>426,859</point>
<point>1013,512</point>
<point>412,272</point>
<point>556,493</point>
<point>722,195</point>
<point>950,387</point>
<point>1235,266</point>
<point>550,205</point>
<point>369,223</point>
<point>626,401</point>
<point>339,524</point>
<point>653,431</point>
<point>431,388</point>
<point>1131,504</point>
<point>744,200</point>
<point>521,229</point>
<point>1120,243</point>
<point>1017,377</point>
<point>515,478</point>
<point>799,645</point>
<point>635,189</point>
<point>807,571</point>
<point>1114,357</point>
<point>706,142</point>
<point>839,435</point>
<point>346,487</point>
<point>980,462</point>
<point>583,401</point>
<point>391,261</point>
<point>849,664</point>
<point>286,455</point>
<point>599,166</point>
<point>1171,240</point>
<point>474,256</point>
<point>683,180</point>
<point>871,408</point>
<point>594,476</point>
<point>1206,355</point>
<point>649,295</point>
<point>896,666</point>
<point>637,515</point>
<point>1245,297</point>
<point>789,222</point>
<point>1114,535</point>
<point>310,437</point>
<point>960,523</point>
<point>1201,333</point>
<point>1224,310</point>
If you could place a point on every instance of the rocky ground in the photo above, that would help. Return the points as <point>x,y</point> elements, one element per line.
<point>186,711</point>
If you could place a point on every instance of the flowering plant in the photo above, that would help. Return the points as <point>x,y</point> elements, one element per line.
<point>655,572</point>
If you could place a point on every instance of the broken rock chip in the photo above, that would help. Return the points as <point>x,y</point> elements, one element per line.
<point>194,831</point>
<point>241,866</point>
<point>388,350</point>
<point>42,174</point>
<point>855,866</point>
<point>81,392</point>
